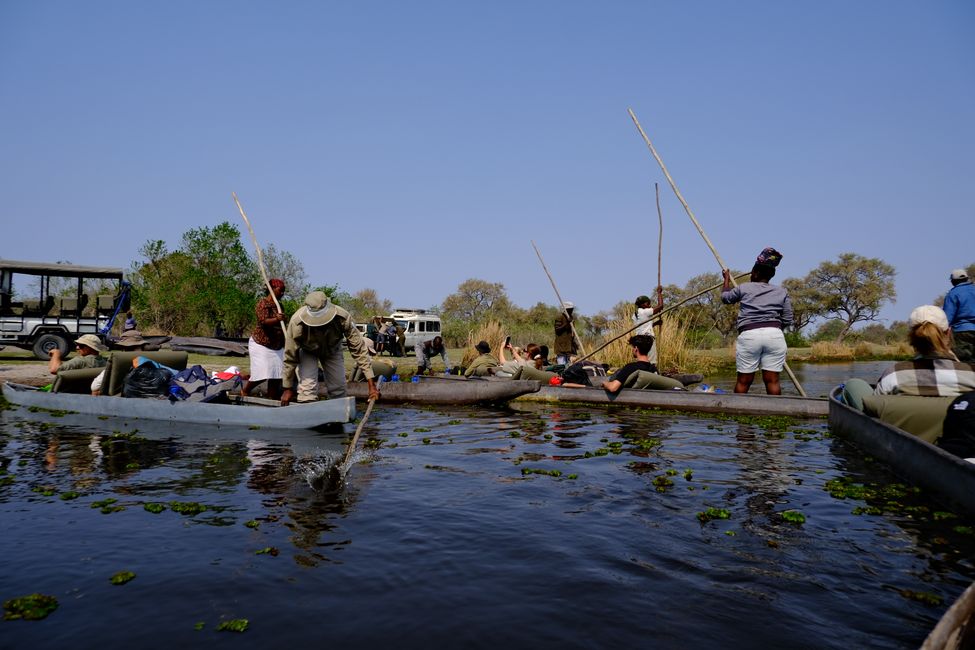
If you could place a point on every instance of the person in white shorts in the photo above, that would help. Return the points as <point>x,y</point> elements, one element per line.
<point>764,312</point>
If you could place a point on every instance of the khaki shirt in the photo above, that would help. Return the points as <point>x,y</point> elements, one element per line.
<point>87,361</point>
<point>321,341</point>
<point>480,365</point>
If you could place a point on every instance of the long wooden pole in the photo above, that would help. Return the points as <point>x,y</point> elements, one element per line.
<point>660,254</point>
<point>697,225</point>
<point>657,316</point>
<point>358,430</point>
<point>260,262</point>
<point>561,304</point>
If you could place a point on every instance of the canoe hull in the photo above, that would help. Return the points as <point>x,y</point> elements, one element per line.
<point>911,458</point>
<point>448,392</point>
<point>296,416</point>
<point>689,401</point>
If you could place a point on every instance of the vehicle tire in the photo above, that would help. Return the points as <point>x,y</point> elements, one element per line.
<point>47,342</point>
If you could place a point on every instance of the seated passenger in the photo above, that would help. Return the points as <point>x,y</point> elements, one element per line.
<point>641,344</point>
<point>530,356</point>
<point>933,372</point>
<point>484,364</point>
<point>89,348</point>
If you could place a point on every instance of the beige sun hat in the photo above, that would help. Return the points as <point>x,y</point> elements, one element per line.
<point>318,310</point>
<point>929,314</point>
<point>91,341</point>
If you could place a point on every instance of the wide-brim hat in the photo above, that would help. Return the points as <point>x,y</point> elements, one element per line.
<point>483,347</point>
<point>129,338</point>
<point>317,311</point>
<point>91,341</point>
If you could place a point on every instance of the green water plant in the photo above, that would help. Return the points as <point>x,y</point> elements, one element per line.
<point>253,523</point>
<point>794,517</point>
<point>713,513</point>
<point>33,607</point>
<point>122,577</point>
<point>268,550</point>
<point>233,625</point>
<point>188,508</point>
<point>154,508</point>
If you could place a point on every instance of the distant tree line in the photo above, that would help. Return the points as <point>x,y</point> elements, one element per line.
<point>210,283</point>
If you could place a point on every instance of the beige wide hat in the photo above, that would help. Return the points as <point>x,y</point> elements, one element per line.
<point>318,310</point>
<point>91,341</point>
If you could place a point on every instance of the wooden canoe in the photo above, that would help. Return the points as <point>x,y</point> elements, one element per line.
<point>911,458</point>
<point>689,401</point>
<point>265,414</point>
<point>448,391</point>
<point>956,629</point>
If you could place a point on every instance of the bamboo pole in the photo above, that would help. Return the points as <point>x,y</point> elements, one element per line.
<point>358,430</point>
<point>260,262</point>
<point>660,254</point>
<point>657,316</point>
<point>561,304</point>
<point>697,225</point>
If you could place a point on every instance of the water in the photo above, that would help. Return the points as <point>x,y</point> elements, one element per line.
<point>440,538</point>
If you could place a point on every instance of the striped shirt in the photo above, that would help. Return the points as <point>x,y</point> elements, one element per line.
<point>928,376</point>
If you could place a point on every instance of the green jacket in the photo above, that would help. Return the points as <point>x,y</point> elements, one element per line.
<point>480,365</point>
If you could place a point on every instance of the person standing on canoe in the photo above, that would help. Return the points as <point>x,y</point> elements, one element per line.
<point>765,311</point>
<point>315,336</point>
<point>266,345</point>
<point>643,317</point>
<point>565,342</point>
<point>960,310</point>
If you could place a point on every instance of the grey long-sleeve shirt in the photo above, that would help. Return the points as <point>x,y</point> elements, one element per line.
<point>761,303</point>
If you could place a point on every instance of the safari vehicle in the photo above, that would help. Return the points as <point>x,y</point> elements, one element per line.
<point>420,325</point>
<point>47,306</point>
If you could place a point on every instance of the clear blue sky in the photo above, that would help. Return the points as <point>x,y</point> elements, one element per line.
<point>407,147</point>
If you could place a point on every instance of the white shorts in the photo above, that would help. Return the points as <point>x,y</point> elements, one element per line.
<point>763,347</point>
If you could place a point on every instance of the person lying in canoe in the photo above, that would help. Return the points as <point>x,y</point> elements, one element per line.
<point>641,344</point>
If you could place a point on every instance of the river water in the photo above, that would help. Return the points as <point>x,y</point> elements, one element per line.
<point>445,532</point>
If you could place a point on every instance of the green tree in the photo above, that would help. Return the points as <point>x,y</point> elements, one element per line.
<point>282,264</point>
<point>853,289</point>
<point>707,311</point>
<point>474,300</point>
<point>365,303</point>
<point>806,303</point>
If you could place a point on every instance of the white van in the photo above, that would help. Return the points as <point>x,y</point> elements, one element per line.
<point>420,325</point>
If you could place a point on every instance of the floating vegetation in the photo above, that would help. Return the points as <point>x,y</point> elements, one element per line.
<point>68,496</point>
<point>199,625</point>
<point>548,436</point>
<point>122,577</point>
<point>45,490</point>
<point>514,434</point>
<point>7,479</point>
<point>58,413</point>
<point>867,510</point>
<point>253,523</point>
<point>671,472</point>
<point>713,513</point>
<point>29,608</point>
<point>964,530</point>
<point>662,482</point>
<point>794,517</point>
<point>154,508</point>
<point>373,443</point>
<point>233,625</point>
<point>925,597</point>
<point>455,422</point>
<point>104,503</point>
<point>403,434</point>
<point>119,437</point>
<point>525,471</point>
<point>730,533</point>
<point>254,427</point>
<point>572,477</point>
<point>688,475</point>
<point>187,507</point>
<point>426,441</point>
<point>268,550</point>
<point>940,515</point>
<point>421,430</point>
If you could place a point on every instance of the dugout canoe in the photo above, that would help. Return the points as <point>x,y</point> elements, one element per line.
<point>455,391</point>
<point>913,459</point>
<point>956,629</point>
<point>241,412</point>
<point>689,401</point>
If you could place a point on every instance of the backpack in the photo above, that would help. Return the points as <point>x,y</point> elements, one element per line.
<point>576,374</point>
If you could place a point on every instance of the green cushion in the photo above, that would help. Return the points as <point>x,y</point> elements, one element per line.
<point>531,372</point>
<point>120,363</point>
<point>76,381</point>
<point>653,381</point>
<point>922,416</point>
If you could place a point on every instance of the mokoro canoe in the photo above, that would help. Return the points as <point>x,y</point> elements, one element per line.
<point>250,412</point>
<point>910,457</point>
<point>690,401</point>
<point>452,391</point>
<point>956,629</point>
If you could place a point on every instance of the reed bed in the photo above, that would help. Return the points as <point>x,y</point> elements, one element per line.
<point>492,332</point>
<point>674,352</point>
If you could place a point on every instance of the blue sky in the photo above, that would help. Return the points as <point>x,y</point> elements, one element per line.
<point>407,147</point>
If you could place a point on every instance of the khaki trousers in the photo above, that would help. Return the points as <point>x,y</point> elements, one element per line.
<point>333,366</point>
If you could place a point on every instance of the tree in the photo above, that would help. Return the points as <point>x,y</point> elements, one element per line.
<point>475,299</point>
<point>365,303</point>
<point>707,310</point>
<point>853,289</point>
<point>282,264</point>
<point>805,303</point>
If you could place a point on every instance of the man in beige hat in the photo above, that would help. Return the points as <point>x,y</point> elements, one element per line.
<point>88,346</point>
<point>315,336</point>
